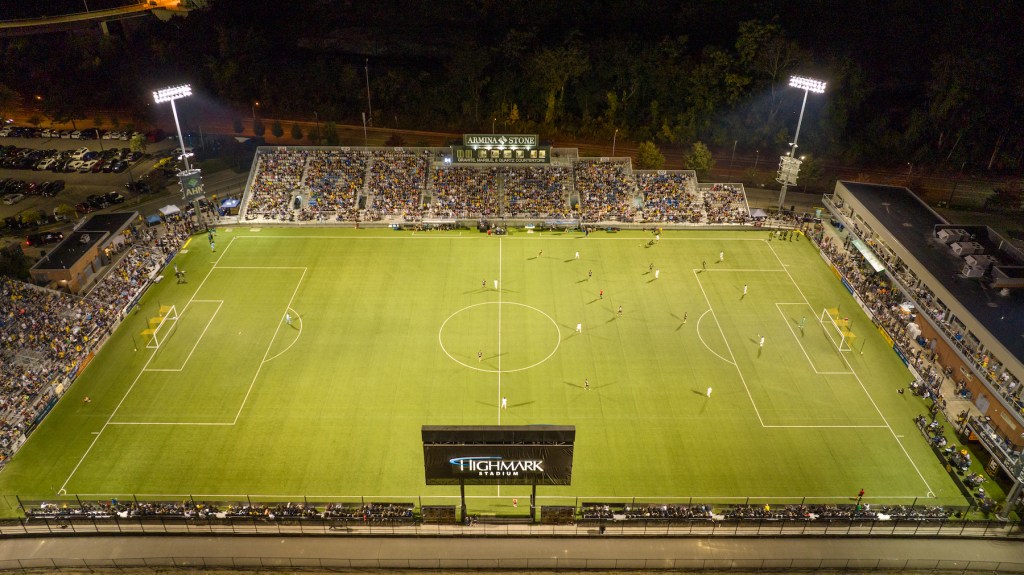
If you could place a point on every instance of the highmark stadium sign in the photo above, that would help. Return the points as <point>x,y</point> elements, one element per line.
<point>507,455</point>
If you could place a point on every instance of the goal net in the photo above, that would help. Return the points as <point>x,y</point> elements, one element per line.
<point>837,329</point>
<point>160,326</point>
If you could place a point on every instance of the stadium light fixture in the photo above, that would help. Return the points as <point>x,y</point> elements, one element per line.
<point>808,85</point>
<point>173,93</point>
<point>170,95</point>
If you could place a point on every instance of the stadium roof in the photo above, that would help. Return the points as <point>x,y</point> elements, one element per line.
<point>95,230</point>
<point>911,225</point>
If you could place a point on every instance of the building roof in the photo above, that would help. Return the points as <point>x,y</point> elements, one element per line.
<point>95,230</point>
<point>912,224</point>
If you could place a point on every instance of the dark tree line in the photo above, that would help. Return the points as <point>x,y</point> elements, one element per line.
<point>923,82</point>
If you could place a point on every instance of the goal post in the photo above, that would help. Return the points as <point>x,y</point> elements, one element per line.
<point>837,329</point>
<point>160,326</point>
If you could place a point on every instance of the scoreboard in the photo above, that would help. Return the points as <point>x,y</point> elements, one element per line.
<point>501,149</point>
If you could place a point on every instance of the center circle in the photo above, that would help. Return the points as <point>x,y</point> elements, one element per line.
<point>510,336</point>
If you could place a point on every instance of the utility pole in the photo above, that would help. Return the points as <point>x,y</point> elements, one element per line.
<point>369,103</point>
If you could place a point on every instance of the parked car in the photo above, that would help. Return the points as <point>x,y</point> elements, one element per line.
<point>56,186</point>
<point>12,199</point>
<point>98,166</point>
<point>79,153</point>
<point>84,208</point>
<point>119,166</point>
<point>86,166</point>
<point>43,238</point>
<point>113,198</point>
<point>97,201</point>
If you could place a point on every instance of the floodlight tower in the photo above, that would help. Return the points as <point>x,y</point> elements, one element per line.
<point>190,179</point>
<point>789,165</point>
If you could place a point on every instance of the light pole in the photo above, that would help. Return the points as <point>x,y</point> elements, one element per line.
<point>190,179</point>
<point>789,165</point>
<point>369,104</point>
<point>255,105</point>
<point>757,157</point>
<point>494,121</point>
<point>317,116</point>
<point>614,137</point>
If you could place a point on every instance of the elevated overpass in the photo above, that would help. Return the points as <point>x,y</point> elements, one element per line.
<point>163,9</point>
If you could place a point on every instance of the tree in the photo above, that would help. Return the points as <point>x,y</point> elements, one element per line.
<point>331,134</point>
<point>296,132</point>
<point>699,159</point>
<point>649,157</point>
<point>138,144</point>
<point>35,120</point>
<point>554,69</point>
<point>65,211</point>
<point>8,99</point>
<point>237,126</point>
<point>395,141</point>
<point>258,128</point>
<point>115,122</point>
<point>31,217</point>
<point>276,129</point>
<point>97,122</point>
<point>513,115</point>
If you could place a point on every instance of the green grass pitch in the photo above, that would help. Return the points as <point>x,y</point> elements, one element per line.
<point>385,336</point>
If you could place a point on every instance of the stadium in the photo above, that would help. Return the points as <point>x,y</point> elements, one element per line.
<point>694,360</point>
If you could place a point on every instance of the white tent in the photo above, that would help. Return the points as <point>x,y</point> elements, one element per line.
<point>758,213</point>
<point>169,210</point>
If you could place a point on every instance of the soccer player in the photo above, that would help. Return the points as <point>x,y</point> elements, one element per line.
<point>601,294</point>
<point>504,403</point>
<point>803,322</point>
<point>483,284</point>
<point>744,289</point>
<point>495,284</point>
<point>704,264</point>
<point>479,356</point>
<point>721,257</point>
<point>213,246</point>
<point>586,384</point>
<point>577,255</point>
<point>620,311</point>
<point>761,343</point>
<point>709,393</point>
<point>579,328</point>
<point>288,318</point>
<point>657,273</point>
<point>540,253</point>
<point>590,274</point>
<point>686,314</point>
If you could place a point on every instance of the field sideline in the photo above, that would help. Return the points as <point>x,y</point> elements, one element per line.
<point>394,330</point>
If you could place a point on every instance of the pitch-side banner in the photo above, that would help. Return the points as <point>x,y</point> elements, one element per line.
<point>498,464</point>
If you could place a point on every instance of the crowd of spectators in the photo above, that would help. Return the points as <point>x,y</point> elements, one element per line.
<point>725,204</point>
<point>607,190</point>
<point>334,180</point>
<point>98,510</point>
<point>397,181</point>
<point>766,511</point>
<point>278,174</point>
<point>536,192</point>
<point>44,337</point>
<point>670,197</point>
<point>463,192</point>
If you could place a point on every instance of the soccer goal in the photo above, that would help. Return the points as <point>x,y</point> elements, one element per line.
<point>837,329</point>
<point>160,326</point>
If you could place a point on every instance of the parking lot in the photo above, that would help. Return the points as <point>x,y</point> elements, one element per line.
<point>78,186</point>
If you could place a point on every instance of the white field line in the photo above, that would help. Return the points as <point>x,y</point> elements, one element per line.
<point>871,399</point>
<point>810,362</point>
<point>701,318</point>
<point>271,344</point>
<point>830,426</point>
<point>736,270</point>
<point>196,423</point>
<point>209,322</point>
<point>535,237</point>
<point>727,346</point>
<point>297,336</point>
<point>63,487</point>
<point>501,286</point>
<point>660,498</point>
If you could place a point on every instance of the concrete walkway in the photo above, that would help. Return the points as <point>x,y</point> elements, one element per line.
<point>594,552</point>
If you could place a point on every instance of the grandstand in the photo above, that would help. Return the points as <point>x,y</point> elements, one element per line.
<point>417,185</point>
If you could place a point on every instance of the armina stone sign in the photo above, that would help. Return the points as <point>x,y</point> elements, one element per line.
<point>500,140</point>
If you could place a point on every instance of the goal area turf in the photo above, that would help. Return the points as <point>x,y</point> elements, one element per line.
<point>304,362</point>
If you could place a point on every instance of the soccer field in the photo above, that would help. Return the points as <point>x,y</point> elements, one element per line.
<point>394,330</point>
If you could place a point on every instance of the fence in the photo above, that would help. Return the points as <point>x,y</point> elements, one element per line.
<point>535,563</point>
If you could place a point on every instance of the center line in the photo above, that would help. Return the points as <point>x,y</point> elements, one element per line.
<point>500,286</point>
